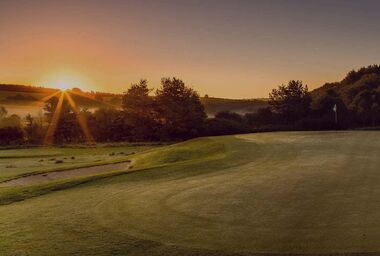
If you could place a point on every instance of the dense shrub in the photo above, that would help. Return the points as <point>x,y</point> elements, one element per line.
<point>11,136</point>
<point>220,126</point>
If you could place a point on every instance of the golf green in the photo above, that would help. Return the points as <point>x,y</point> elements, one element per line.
<point>268,193</point>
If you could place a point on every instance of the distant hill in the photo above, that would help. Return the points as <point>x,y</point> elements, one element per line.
<point>15,96</point>
<point>26,88</point>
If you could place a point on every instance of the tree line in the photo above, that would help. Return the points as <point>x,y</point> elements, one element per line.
<point>174,112</point>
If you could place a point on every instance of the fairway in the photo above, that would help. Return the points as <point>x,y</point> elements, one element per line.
<point>267,193</point>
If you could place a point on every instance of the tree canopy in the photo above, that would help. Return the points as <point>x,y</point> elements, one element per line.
<point>290,101</point>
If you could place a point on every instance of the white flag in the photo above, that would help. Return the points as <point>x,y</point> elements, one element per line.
<point>335,108</point>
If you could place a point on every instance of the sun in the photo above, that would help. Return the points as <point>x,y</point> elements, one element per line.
<point>63,86</point>
<point>65,81</point>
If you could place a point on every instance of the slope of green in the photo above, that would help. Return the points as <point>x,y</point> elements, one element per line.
<point>295,192</point>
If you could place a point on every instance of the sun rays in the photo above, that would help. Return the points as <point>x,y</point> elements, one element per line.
<point>44,99</point>
<point>49,137</point>
<point>82,121</point>
<point>80,117</point>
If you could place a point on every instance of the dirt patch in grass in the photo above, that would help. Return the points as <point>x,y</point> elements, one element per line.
<point>66,174</point>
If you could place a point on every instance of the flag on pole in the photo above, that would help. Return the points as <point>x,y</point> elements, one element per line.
<point>335,108</point>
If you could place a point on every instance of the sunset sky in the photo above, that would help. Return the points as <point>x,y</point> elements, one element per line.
<point>230,49</point>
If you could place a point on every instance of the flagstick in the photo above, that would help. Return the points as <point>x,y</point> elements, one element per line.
<point>335,109</point>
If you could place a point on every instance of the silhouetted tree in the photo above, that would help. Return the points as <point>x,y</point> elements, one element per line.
<point>34,129</point>
<point>140,113</point>
<point>226,122</point>
<point>263,116</point>
<point>291,101</point>
<point>107,124</point>
<point>181,113</point>
<point>221,126</point>
<point>355,75</point>
<point>11,135</point>
<point>68,129</point>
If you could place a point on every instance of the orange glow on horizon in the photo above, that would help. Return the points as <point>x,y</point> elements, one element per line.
<point>232,52</point>
<point>65,80</point>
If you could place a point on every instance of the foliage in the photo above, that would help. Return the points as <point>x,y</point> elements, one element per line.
<point>220,126</point>
<point>11,135</point>
<point>264,116</point>
<point>291,101</point>
<point>357,97</point>
<point>34,129</point>
<point>107,124</point>
<point>140,113</point>
<point>68,129</point>
<point>181,113</point>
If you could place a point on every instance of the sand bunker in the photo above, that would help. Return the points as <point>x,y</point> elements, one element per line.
<point>67,174</point>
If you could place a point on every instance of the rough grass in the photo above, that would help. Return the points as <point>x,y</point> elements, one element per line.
<point>251,194</point>
<point>26,161</point>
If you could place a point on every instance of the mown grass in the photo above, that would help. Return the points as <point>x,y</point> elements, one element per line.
<point>296,192</point>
